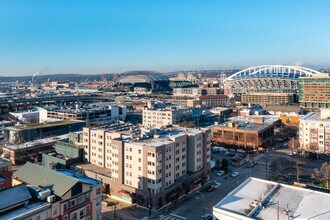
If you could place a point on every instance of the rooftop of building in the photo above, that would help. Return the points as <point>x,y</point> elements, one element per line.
<point>37,142</point>
<point>84,109</point>
<point>252,123</point>
<point>14,195</point>
<point>170,108</point>
<point>322,115</point>
<point>302,203</point>
<point>213,96</point>
<point>283,108</point>
<point>43,125</point>
<point>24,210</point>
<point>61,181</point>
<point>117,127</point>
<point>160,136</point>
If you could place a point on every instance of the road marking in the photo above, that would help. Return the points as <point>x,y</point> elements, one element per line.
<point>178,216</point>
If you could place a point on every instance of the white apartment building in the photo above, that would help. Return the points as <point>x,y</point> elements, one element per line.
<point>314,132</point>
<point>157,161</point>
<point>166,116</point>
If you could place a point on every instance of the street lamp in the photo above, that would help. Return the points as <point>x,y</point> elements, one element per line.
<point>203,201</point>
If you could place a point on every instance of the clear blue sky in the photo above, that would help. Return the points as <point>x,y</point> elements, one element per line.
<point>61,36</point>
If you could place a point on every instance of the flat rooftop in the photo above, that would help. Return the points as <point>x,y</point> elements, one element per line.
<point>43,125</point>
<point>164,136</point>
<point>247,123</point>
<point>302,203</point>
<point>37,142</point>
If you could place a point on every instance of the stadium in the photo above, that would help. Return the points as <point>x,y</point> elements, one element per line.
<point>266,79</point>
<point>267,84</point>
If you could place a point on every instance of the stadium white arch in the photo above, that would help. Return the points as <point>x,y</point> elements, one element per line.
<point>273,71</point>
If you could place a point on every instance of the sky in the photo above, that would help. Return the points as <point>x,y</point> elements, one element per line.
<point>94,36</point>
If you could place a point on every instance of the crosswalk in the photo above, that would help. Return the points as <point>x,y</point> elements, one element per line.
<point>279,155</point>
<point>170,216</point>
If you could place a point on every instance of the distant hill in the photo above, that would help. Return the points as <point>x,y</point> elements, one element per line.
<point>69,77</point>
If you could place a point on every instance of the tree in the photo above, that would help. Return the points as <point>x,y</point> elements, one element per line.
<point>323,173</point>
<point>225,165</point>
<point>280,167</point>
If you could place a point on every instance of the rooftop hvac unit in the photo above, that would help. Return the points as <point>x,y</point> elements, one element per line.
<point>51,199</point>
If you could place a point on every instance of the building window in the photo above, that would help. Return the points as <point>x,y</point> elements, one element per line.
<point>88,208</point>
<point>98,191</point>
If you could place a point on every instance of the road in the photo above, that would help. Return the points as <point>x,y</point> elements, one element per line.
<point>193,208</point>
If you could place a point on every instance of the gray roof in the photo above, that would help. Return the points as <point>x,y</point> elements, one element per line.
<point>44,177</point>
<point>283,108</point>
<point>14,195</point>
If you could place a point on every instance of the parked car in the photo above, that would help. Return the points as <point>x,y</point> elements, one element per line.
<point>235,174</point>
<point>240,151</point>
<point>227,153</point>
<point>216,185</point>
<point>232,150</point>
<point>210,188</point>
<point>207,217</point>
<point>220,173</point>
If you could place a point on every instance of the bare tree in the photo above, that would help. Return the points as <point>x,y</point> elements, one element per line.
<point>323,173</point>
<point>281,166</point>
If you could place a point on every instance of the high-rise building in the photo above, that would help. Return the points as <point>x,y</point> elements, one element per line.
<point>314,92</point>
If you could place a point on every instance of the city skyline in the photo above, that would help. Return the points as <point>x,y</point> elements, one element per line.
<point>117,36</point>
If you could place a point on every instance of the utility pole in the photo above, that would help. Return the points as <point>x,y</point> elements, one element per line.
<point>278,210</point>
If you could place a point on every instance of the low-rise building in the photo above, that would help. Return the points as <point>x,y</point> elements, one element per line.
<point>28,132</point>
<point>314,132</point>
<point>166,116</point>
<point>246,132</point>
<point>268,98</point>
<point>5,173</point>
<point>267,200</point>
<point>213,101</point>
<point>51,194</point>
<point>195,91</point>
<point>30,151</point>
<point>63,156</point>
<point>155,165</point>
<point>98,112</point>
